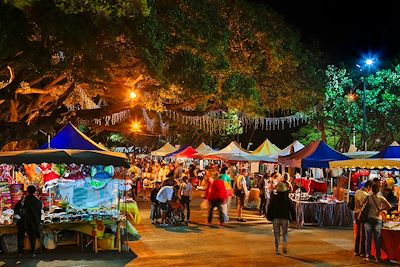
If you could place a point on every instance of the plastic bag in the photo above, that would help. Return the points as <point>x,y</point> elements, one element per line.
<point>49,241</point>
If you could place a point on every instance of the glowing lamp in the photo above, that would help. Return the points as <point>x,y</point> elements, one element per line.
<point>133,95</point>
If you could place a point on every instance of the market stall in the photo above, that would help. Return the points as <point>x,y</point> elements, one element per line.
<point>310,208</point>
<point>388,159</point>
<point>82,190</point>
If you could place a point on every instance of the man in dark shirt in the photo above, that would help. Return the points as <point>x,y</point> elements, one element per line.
<point>29,209</point>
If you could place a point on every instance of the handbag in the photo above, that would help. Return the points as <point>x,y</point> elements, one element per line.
<point>363,215</point>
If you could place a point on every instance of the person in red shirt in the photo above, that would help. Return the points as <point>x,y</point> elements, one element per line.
<point>216,198</point>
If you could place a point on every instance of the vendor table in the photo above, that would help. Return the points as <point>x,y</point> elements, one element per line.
<point>322,214</point>
<point>95,229</point>
<point>390,245</point>
<point>312,185</point>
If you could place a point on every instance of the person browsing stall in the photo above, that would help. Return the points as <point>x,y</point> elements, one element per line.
<point>165,197</point>
<point>377,205</point>
<point>28,212</point>
<point>359,198</point>
<point>154,210</point>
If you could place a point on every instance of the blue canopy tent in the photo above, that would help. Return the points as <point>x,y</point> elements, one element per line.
<point>390,152</point>
<point>321,157</point>
<point>69,145</point>
<point>69,137</point>
<point>317,154</point>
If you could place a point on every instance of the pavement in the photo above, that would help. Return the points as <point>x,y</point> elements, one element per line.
<point>247,243</point>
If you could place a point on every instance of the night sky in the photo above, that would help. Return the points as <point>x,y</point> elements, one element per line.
<point>345,29</point>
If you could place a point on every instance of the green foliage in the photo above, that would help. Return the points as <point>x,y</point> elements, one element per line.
<point>188,70</point>
<point>309,133</point>
<point>341,114</point>
<point>115,8</point>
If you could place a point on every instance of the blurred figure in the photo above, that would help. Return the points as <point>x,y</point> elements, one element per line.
<point>228,186</point>
<point>216,198</point>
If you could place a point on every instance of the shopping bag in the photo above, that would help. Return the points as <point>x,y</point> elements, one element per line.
<point>363,215</point>
<point>49,241</point>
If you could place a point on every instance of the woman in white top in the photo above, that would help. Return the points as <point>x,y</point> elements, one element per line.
<point>377,204</point>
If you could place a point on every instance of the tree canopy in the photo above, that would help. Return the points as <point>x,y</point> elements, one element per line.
<point>342,111</point>
<point>59,58</point>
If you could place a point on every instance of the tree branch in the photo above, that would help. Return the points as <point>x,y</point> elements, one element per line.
<point>188,102</point>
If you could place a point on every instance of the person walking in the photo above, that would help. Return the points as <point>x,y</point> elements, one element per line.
<point>280,210</point>
<point>29,211</point>
<point>216,198</point>
<point>373,226</point>
<point>228,186</point>
<point>240,192</point>
<point>186,195</point>
<point>359,198</point>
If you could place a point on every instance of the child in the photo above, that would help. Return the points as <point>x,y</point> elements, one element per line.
<point>186,195</point>
<point>154,212</point>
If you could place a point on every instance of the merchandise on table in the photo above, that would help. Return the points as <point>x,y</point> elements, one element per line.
<point>392,221</point>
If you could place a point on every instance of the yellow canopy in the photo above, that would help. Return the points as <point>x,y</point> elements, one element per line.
<point>266,149</point>
<point>378,163</point>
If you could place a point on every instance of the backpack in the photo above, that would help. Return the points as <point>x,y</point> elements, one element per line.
<point>363,216</point>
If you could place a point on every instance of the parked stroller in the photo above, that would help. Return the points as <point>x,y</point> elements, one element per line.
<point>175,215</point>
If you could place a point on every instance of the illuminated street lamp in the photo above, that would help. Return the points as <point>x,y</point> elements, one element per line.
<point>367,64</point>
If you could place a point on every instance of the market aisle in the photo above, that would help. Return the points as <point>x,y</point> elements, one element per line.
<point>237,244</point>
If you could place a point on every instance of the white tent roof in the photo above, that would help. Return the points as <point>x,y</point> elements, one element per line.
<point>164,150</point>
<point>235,152</point>
<point>203,149</point>
<point>361,154</point>
<point>292,148</point>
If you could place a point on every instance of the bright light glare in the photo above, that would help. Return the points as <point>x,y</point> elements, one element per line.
<point>369,62</point>
<point>133,95</point>
<point>135,127</point>
<point>352,97</point>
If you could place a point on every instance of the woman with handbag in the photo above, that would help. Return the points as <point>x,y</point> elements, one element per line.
<point>373,226</point>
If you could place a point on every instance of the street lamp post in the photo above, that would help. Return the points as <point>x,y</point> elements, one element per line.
<point>368,63</point>
<point>364,117</point>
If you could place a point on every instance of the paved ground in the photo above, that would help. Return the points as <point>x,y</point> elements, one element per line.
<point>235,244</point>
<point>238,244</point>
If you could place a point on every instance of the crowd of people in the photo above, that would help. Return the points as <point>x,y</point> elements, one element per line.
<point>172,188</point>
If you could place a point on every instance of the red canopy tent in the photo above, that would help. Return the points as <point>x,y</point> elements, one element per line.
<point>183,153</point>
